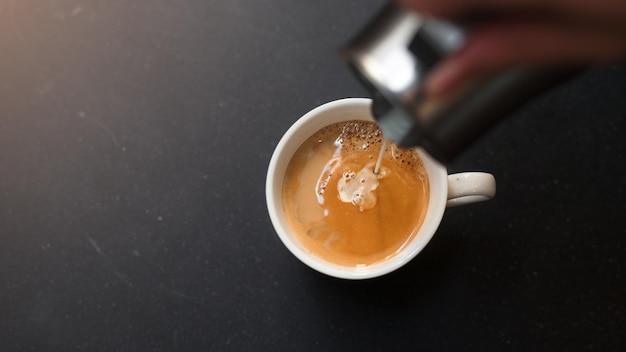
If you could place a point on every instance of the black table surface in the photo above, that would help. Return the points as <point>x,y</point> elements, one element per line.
<point>134,141</point>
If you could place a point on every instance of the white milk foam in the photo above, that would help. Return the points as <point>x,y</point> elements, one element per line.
<point>359,182</point>
<point>359,188</point>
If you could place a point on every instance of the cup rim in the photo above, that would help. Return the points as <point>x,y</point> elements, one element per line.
<point>283,153</point>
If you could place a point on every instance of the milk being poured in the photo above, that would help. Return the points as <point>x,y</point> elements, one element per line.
<point>358,184</point>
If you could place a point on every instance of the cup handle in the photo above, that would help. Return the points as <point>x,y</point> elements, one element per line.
<point>470,187</point>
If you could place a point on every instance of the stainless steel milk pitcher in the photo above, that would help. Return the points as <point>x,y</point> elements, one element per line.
<point>393,54</point>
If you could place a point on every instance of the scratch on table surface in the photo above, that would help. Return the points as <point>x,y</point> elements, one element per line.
<point>95,246</point>
<point>104,127</point>
<point>108,264</point>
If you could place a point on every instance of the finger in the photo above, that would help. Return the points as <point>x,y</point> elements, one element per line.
<point>496,48</point>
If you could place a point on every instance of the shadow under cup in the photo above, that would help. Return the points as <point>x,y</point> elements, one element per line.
<point>306,126</point>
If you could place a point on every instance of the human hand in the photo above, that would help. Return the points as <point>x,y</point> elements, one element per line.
<point>515,33</point>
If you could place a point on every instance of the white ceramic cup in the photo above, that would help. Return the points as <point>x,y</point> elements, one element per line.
<point>445,190</point>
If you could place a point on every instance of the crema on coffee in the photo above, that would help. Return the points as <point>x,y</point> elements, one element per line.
<point>344,212</point>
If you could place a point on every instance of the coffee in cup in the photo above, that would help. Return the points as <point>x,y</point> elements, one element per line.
<point>339,217</point>
<point>344,210</point>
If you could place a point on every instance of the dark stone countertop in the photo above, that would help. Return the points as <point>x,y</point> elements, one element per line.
<point>134,141</point>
